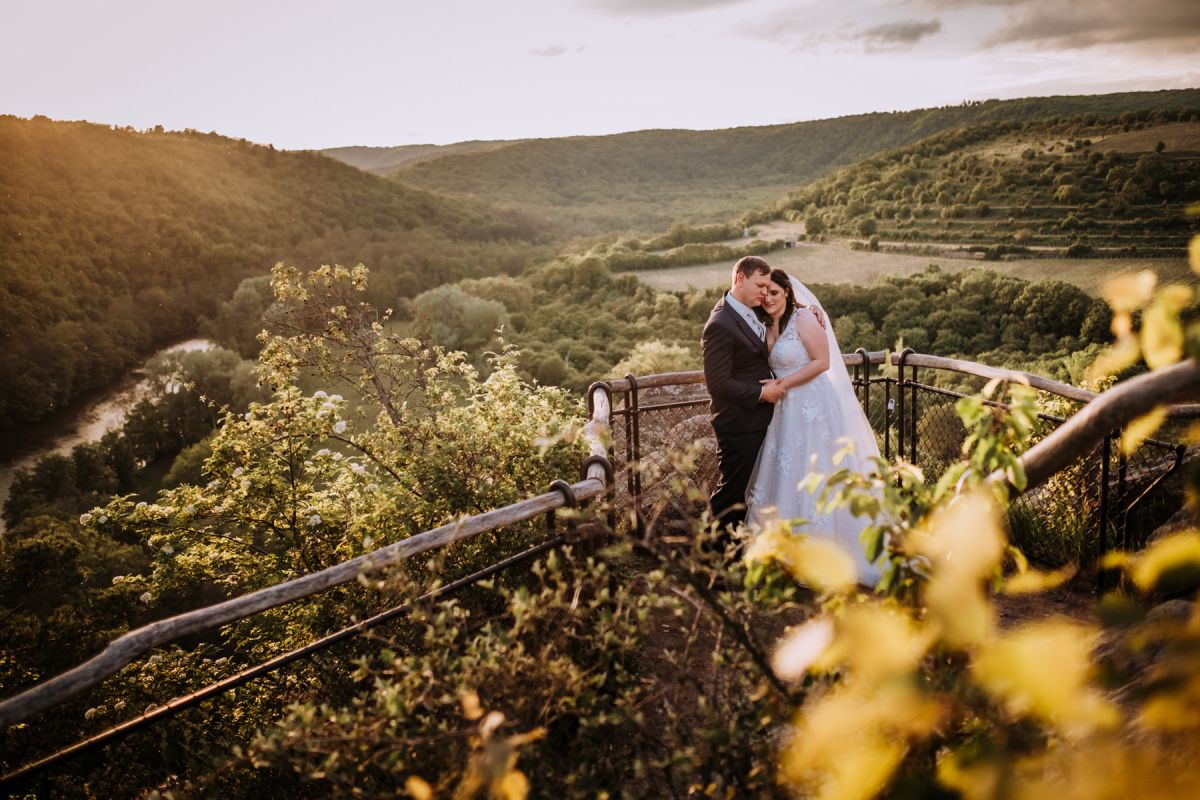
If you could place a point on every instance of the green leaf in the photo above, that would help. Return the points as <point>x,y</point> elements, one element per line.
<point>872,541</point>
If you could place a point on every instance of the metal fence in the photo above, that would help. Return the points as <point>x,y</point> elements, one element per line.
<point>1103,500</point>
<point>636,427</point>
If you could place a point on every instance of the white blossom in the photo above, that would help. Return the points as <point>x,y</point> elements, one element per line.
<point>237,472</point>
<point>320,393</point>
<point>339,426</point>
<point>145,597</point>
<point>103,519</point>
<point>168,549</point>
<point>85,519</point>
<point>336,398</point>
<point>357,469</point>
<point>89,714</point>
<point>324,451</point>
<point>140,506</point>
<point>314,520</point>
<point>117,579</point>
<point>801,647</point>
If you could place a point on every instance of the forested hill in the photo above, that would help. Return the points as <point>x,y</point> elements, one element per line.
<point>115,241</point>
<point>1116,186</point>
<point>650,179</point>
<point>386,160</point>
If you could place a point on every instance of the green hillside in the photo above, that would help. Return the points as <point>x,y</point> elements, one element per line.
<point>650,179</point>
<point>115,241</point>
<point>386,160</point>
<point>1114,187</point>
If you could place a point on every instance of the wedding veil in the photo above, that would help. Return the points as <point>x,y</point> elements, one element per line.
<point>860,433</point>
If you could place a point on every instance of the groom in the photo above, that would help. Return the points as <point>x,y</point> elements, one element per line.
<point>741,384</point>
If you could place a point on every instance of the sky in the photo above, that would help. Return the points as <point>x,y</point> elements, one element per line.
<point>303,74</point>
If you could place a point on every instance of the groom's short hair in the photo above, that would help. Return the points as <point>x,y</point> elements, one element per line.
<point>751,265</point>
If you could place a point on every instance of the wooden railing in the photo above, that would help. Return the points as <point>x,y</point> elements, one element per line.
<point>1102,414</point>
<point>596,480</point>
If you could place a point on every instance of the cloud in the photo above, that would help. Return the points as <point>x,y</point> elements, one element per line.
<point>548,52</point>
<point>1073,25</point>
<point>658,8</point>
<point>803,34</point>
<point>899,34</point>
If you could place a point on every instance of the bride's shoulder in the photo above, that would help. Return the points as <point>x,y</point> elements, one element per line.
<point>803,316</point>
<point>805,323</point>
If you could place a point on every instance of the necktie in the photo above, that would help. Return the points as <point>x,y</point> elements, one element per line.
<point>758,327</point>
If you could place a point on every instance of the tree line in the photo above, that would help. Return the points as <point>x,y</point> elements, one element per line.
<point>648,180</point>
<point>116,242</point>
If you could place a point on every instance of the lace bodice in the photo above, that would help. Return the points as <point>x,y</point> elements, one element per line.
<point>789,353</point>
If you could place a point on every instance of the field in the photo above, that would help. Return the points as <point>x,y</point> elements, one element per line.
<point>837,263</point>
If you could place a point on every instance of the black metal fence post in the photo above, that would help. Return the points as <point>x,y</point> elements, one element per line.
<point>866,381</point>
<point>634,465</point>
<point>901,420</point>
<point>887,418</point>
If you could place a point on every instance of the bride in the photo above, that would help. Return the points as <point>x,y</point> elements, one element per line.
<point>813,421</point>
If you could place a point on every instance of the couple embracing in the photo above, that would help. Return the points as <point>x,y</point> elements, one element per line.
<point>782,406</point>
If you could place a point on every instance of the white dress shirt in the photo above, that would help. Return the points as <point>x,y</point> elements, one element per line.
<point>746,314</point>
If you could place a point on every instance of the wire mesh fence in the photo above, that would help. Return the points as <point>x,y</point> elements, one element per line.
<point>1101,501</point>
<point>663,455</point>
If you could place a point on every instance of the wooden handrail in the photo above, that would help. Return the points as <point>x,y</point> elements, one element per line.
<point>697,376</point>
<point>1112,410</point>
<point>1103,414</point>
<point>1017,376</point>
<point>135,643</point>
<point>130,646</point>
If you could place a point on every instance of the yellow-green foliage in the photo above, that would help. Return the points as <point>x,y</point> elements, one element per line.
<point>926,688</point>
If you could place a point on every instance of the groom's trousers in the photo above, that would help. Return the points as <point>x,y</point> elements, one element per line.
<point>736,454</point>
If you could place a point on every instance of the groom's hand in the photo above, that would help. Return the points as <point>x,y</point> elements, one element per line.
<point>772,391</point>
<point>820,315</point>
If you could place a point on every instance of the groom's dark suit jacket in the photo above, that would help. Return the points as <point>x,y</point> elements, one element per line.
<point>735,360</point>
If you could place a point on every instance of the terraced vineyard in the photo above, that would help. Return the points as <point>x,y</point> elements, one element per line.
<point>1076,188</point>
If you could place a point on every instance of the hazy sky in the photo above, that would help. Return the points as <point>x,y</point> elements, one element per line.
<point>309,73</point>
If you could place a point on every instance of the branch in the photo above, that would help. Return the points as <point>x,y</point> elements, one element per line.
<point>736,627</point>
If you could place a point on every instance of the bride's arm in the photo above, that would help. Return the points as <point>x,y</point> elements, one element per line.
<point>817,345</point>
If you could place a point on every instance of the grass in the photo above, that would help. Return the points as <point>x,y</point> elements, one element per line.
<point>837,263</point>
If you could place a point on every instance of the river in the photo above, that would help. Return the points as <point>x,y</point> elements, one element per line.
<point>87,422</point>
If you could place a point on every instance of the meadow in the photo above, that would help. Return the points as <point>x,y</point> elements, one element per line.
<point>838,262</point>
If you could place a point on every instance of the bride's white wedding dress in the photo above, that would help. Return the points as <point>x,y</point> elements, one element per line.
<point>812,423</point>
